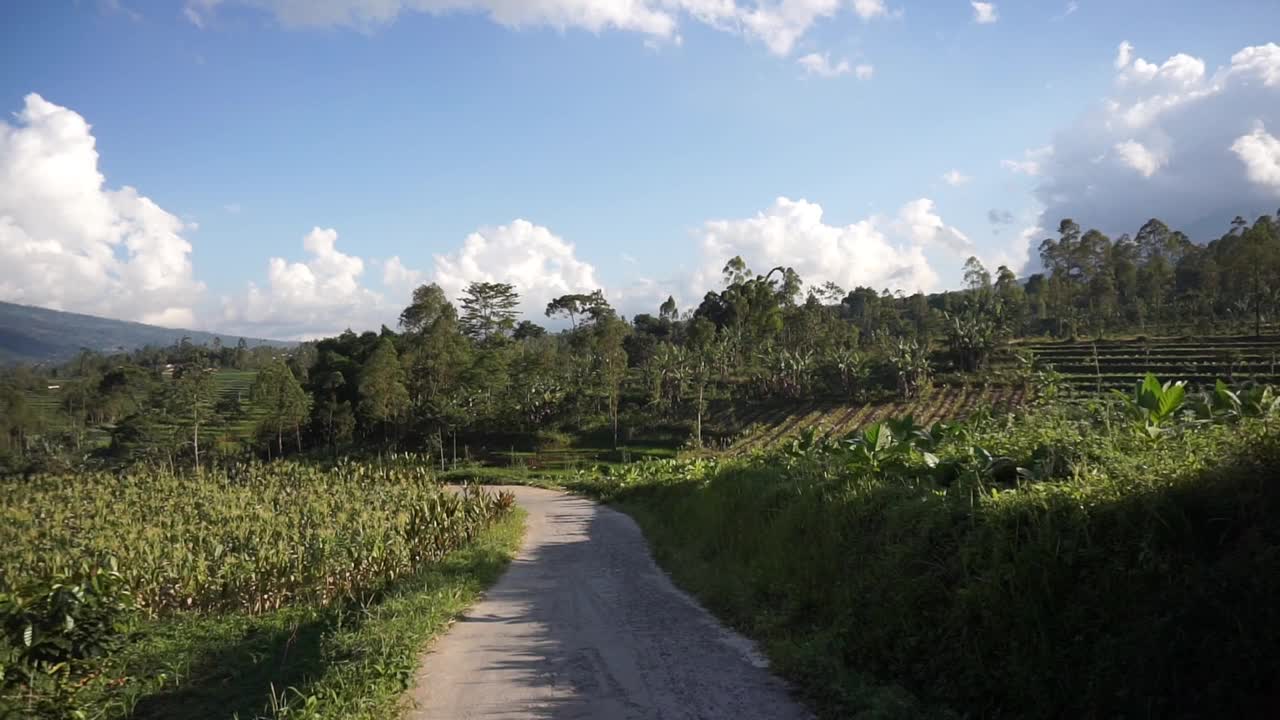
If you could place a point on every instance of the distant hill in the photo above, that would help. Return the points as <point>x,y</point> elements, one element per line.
<point>34,334</point>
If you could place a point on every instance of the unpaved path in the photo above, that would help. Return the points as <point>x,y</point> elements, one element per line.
<point>584,625</point>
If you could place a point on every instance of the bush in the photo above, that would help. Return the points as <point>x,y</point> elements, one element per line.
<point>50,629</point>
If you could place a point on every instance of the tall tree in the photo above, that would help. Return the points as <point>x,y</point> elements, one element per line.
<point>489,310</point>
<point>191,402</point>
<point>383,395</point>
<point>277,390</point>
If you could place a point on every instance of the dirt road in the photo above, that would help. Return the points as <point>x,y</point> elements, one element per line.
<point>584,625</point>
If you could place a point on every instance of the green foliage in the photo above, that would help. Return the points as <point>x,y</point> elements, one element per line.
<point>52,629</point>
<point>1153,407</point>
<point>251,539</point>
<point>1028,574</point>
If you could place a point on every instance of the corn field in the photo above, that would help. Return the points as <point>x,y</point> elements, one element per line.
<point>249,539</point>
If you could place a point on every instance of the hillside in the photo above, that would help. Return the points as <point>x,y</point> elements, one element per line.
<point>34,334</point>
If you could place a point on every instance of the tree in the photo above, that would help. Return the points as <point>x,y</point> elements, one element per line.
<point>489,310</point>
<point>668,310</point>
<point>277,390</point>
<point>191,398</point>
<point>609,335</point>
<point>528,330</point>
<point>576,304</point>
<point>383,396</point>
<point>976,276</point>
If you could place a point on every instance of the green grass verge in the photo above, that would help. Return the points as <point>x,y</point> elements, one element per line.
<point>350,661</point>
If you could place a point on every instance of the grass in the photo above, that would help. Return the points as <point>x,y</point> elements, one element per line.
<point>353,660</point>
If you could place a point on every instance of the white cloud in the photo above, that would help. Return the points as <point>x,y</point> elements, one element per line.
<point>864,72</point>
<point>955,178</point>
<point>821,65</point>
<point>232,208</point>
<point>917,220</point>
<point>397,277</point>
<point>867,9</point>
<point>70,243</point>
<point>1031,161</point>
<point>1139,157</point>
<point>303,300</point>
<point>1180,122</point>
<point>1260,153</point>
<point>779,24</point>
<point>876,252</point>
<point>984,13</point>
<point>1124,55</point>
<point>540,264</point>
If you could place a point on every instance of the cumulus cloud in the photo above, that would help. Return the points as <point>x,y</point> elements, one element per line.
<point>877,252</point>
<point>1195,134</point>
<point>1260,153</point>
<point>821,65</point>
<point>396,276</point>
<point>303,300</point>
<point>540,264</point>
<point>955,178</point>
<point>918,222</point>
<point>70,243</point>
<point>779,24</point>
<point>984,13</point>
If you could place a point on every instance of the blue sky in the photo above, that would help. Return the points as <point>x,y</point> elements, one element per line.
<point>639,149</point>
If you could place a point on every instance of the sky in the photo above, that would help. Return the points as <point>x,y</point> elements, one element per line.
<point>293,168</point>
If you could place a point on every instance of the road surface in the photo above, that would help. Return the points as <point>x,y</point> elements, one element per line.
<point>584,625</point>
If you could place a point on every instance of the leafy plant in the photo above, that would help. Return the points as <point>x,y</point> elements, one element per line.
<point>1153,407</point>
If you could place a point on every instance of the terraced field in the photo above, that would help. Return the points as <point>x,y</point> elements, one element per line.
<point>235,385</point>
<point>765,427</point>
<point>1090,367</point>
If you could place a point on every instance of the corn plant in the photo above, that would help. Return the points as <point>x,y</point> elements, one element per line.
<point>251,539</point>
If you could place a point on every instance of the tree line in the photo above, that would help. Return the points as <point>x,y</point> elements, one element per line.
<point>478,371</point>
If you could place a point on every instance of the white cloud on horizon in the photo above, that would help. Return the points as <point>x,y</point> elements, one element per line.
<point>309,299</point>
<point>1193,133</point>
<point>877,252</point>
<point>70,243</point>
<point>539,263</point>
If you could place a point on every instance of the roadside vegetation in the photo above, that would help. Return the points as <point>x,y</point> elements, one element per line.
<point>1110,559</point>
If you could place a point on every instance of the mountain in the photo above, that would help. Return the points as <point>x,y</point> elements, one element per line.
<point>34,334</point>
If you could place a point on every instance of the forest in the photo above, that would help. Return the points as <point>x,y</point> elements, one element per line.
<point>1045,496</point>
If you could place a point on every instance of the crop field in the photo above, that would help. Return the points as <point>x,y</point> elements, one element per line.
<point>767,427</point>
<point>150,548</point>
<point>1117,364</point>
